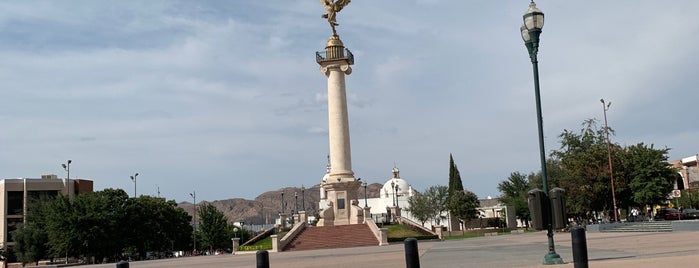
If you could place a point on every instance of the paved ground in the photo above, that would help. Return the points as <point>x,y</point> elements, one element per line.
<point>673,249</point>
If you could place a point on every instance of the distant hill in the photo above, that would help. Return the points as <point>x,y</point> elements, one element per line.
<point>266,207</point>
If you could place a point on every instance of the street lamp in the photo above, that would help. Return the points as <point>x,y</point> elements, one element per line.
<point>365,203</point>
<point>303,198</point>
<point>67,169</point>
<point>194,234</point>
<point>531,30</point>
<point>282,202</point>
<point>133,178</point>
<point>395,192</point>
<point>296,202</point>
<point>605,107</point>
<point>393,189</point>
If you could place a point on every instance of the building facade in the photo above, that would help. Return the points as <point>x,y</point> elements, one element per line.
<point>17,194</point>
<point>688,169</point>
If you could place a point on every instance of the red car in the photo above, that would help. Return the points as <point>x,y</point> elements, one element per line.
<point>668,214</point>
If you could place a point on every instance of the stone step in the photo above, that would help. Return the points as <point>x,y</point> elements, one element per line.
<point>333,237</point>
<point>641,227</point>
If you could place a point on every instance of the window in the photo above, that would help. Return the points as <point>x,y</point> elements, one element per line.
<point>15,202</point>
<point>42,195</point>
<point>12,224</point>
<point>340,203</point>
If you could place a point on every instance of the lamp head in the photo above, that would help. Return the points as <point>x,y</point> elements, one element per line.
<point>533,18</point>
<point>525,34</point>
<point>69,161</point>
<point>136,174</point>
<point>64,166</point>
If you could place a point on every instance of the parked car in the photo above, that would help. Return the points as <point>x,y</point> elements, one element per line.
<point>668,214</point>
<point>690,213</point>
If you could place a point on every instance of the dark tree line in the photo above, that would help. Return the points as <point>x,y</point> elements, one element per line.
<point>103,225</point>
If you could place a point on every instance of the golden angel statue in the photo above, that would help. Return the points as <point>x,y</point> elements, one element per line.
<point>332,7</point>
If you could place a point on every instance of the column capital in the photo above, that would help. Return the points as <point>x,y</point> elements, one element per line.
<point>343,67</point>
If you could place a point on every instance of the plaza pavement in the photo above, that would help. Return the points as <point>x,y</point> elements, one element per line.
<point>670,249</point>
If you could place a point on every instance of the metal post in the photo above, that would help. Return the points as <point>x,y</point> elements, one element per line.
<point>579,242</point>
<point>133,178</point>
<point>393,188</point>
<point>531,40</point>
<point>68,184</point>
<point>303,198</point>
<point>282,202</point>
<point>365,201</point>
<point>262,259</point>
<point>412,258</point>
<point>609,157</point>
<point>194,234</point>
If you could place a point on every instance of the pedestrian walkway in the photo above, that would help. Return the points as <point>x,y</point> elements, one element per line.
<point>662,249</point>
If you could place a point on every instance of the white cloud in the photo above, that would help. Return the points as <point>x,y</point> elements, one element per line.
<point>209,96</point>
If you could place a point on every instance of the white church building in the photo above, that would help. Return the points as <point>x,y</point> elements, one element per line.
<point>396,192</point>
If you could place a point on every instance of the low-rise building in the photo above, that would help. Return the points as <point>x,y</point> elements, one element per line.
<point>16,194</point>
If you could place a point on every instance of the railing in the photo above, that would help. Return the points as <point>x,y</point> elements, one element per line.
<point>414,225</point>
<point>322,56</point>
<point>296,230</point>
<point>380,234</point>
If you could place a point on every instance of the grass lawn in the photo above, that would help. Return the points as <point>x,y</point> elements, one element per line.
<point>400,231</point>
<point>262,244</point>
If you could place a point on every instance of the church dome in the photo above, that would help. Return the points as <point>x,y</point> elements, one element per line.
<point>402,189</point>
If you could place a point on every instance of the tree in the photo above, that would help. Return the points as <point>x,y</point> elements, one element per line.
<point>460,204</point>
<point>214,229</point>
<point>514,192</point>
<point>420,208</point>
<point>583,158</point>
<point>464,205</point>
<point>650,176</point>
<point>438,197</point>
<point>157,225</point>
<point>101,225</point>
<point>30,243</point>
<point>431,205</point>
<point>455,183</point>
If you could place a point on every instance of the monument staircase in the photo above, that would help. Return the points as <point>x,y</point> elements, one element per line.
<point>340,236</point>
<point>654,226</point>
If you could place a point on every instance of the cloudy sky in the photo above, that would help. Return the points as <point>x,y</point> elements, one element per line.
<point>225,97</point>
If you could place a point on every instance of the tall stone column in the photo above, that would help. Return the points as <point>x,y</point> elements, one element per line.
<point>341,186</point>
<point>335,66</point>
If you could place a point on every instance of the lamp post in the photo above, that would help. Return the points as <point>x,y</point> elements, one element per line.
<point>395,192</point>
<point>282,202</point>
<point>303,198</point>
<point>66,167</point>
<point>531,30</point>
<point>194,234</point>
<point>365,203</point>
<point>393,188</point>
<point>296,202</point>
<point>133,178</point>
<point>605,107</point>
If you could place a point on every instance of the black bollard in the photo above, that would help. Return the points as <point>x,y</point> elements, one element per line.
<point>262,259</point>
<point>577,234</point>
<point>412,259</point>
<point>122,264</point>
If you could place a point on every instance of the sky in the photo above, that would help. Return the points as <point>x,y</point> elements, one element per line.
<point>225,99</point>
